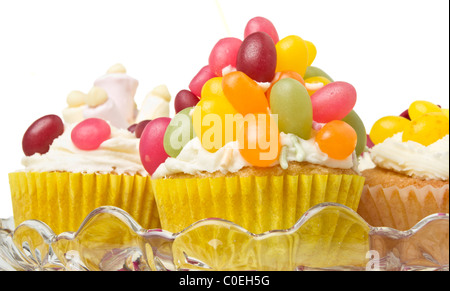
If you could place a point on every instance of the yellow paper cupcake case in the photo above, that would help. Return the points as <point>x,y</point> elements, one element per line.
<point>257,204</point>
<point>62,200</point>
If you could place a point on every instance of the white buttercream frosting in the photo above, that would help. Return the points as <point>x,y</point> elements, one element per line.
<point>412,158</point>
<point>195,160</point>
<point>119,154</point>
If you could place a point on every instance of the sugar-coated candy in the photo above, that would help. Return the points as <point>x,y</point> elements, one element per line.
<point>96,96</point>
<point>244,94</point>
<point>312,71</point>
<point>290,101</point>
<point>281,75</point>
<point>261,24</point>
<point>224,54</point>
<point>179,132</point>
<point>355,121</point>
<point>41,133</point>
<point>209,116</point>
<point>140,127</point>
<point>333,101</point>
<point>337,139</point>
<point>259,140</point>
<point>420,107</point>
<point>257,57</point>
<point>185,99</point>
<point>292,53</point>
<point>75,98</point>
<point>90,133</point>
<point>427,128</point>
<point>200,79</point>
<point>151,144</point>
<point>386,127</point>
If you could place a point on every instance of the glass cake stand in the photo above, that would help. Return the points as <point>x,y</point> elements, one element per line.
<point>327,237</point>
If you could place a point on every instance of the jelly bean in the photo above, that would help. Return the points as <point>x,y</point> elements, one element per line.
<point>313,84</point>
<point>405,114</point>
<point>427,128</point>
<point>445,111</point>
<point>337,139</point>
<point>312,52</point>
<point>261,24</point>
<point>200,79</point>
<point>290,101</point>
<point>369,142</point>
<point>151,144</point>
<point>282,75</point>
<point>386,127</point>
<point>418,108</point>
<point>292,53</point>
<point>333,101</point>
<point>244,94</point>
<point>312,71</point>
<point>90,133</point>
<point>209,117</point>
<point>41,134</point>
<point>355,121</point>
<point>257,57</point>
<point>259,141</point>
<point>179,132</point>
<point>140,127</point>
<point>224,54</point>
<point>185,99</point>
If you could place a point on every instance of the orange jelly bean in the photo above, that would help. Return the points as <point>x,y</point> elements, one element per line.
<point>337,139</point>
<point>244,94</point>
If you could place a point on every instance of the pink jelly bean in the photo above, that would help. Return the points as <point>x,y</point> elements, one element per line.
<point>224,54</point>
<point>261,24</point>
<point>90,133</point>
<point>333,102</point>
<point>200,79</point>
<point>151,145</point>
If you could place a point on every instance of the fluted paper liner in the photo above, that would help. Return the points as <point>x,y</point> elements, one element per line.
<point>62,199</point>
<point>401,208</point>
<point>258,204</point>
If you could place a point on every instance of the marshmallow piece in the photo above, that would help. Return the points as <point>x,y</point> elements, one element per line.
<point>73,114</point>
<point>121,88</point>
<point>155,105</point>
<point>75,98</point>
<point>117,69</point>
<point>107,111</point>
<point>96,96</point>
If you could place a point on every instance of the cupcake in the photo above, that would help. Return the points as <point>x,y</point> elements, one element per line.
<point>90,159</point>
<point>409,177</point>
<point>255,144</point>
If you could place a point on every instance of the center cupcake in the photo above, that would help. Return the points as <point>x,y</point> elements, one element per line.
<point>262,137</point>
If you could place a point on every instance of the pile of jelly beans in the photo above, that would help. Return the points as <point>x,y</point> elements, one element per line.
<point>423,122</point>
<point>263,76</point>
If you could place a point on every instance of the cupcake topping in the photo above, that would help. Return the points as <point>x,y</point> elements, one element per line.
<point>253,91</point>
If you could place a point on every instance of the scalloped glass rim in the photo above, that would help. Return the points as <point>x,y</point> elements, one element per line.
<point>110,239</point>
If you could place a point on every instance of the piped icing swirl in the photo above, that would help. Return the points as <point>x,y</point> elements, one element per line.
<point>119,154</point>
<point>412,158</point>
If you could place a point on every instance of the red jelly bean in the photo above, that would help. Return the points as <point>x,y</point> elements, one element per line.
<point>200,79</point>
<point>90,133</point>
<point>224,54</point>
<point>261,24</point>
<point>41,133</point>
<point>151,145</point>
<point>333,102</point>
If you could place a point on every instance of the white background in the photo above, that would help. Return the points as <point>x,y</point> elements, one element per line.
<point>392,51</point>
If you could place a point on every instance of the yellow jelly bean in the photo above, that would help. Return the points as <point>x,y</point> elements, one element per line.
<point>312,52</point>
<point>292,55</point>
<point>418,108</point>
<point>313,84</point>
<point>427,129</point>
<point>445,111</point>
<point>210,117</point>
<point>386,127</point>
